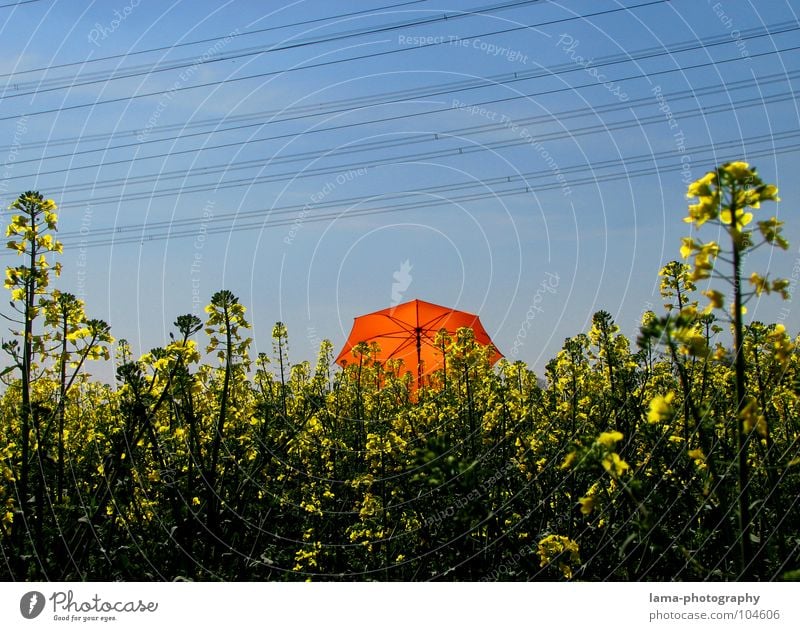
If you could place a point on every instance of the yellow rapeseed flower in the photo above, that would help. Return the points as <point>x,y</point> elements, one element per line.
<point>702,186</point>
<point>660,408</point>
<point>609,439</point>
<point>8,519</point>
<point>781,344</point>
<point>687,247</point>
<point>738,170</point>
<point>587,504</point>
<point>569,461</point>
<point>699,458</point>
<point>615,465</point>
<point>561,550</point>
<point>716,298</point>
<point>742,218</point>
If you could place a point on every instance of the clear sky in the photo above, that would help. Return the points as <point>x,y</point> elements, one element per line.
<point>526,161</point>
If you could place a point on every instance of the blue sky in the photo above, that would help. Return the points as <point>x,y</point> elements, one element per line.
<point>281,152</point>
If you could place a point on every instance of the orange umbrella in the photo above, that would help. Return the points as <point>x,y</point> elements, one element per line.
<point>407,331</point>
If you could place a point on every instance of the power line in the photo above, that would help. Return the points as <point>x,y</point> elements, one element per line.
<point>204,41</point>
<point>61,83</point>
<point>309,66</point>
<point>539,119</point>
<point>293,175</point>
<point>227,167</point>
<point>451,88</point>
<point>589,180</point>
<point>439,189</point>
<point>278,47</point>
<point>18,4</point>
<point>421,139</point>
<point>753,102</point>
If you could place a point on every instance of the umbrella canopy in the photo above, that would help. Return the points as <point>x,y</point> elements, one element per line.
<point>407,331</point>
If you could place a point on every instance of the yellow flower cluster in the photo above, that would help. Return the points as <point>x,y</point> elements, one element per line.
<point>698,457</point>
<point>748,191</point>
<point>705,253</point>
<point>615,465</point>
<point>609,439</point>
<point>707,192</point>
<point>589,501</point>
<point>752,418</point>
<point>782,345</point>
<point>660,408</point>
<point>562,551</point>
<point>7,521</point>
<point>306,557</point>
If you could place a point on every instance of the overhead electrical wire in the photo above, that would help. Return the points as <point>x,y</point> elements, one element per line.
<point>393,160</point>
<point>451,88</point>
<point>261,75</point>
<point>262,161</point>
<point>538,119</point>
<point>41,86</point>
<point>17,4</point>
<point>293,209</point>
<point>133,53</point>
<point>420,139</point>
<point>588,180</point>
<point>190,225</point>
<point>329,107</point>
<point>217,38</point>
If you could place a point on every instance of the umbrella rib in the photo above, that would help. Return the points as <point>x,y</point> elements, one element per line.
<point>401,335</point>
<point>430,322</point>
<point>407,343</point>
<point>442,316</point>
<point>405,326</point>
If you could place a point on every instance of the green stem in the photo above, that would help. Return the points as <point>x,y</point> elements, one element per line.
<point>745,548</point>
